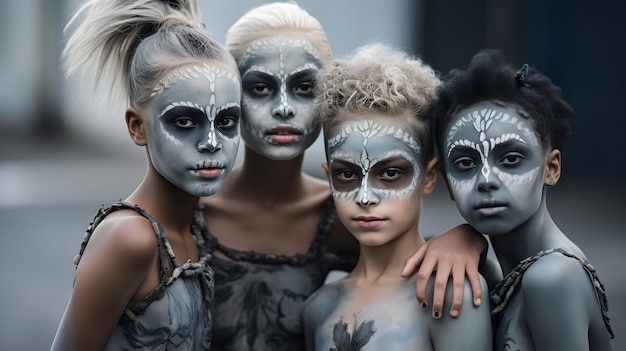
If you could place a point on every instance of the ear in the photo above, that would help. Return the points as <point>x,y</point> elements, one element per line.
<point>326,170</point>
<point>553,168</point>
<point>135,126</point>
<point>431,176</point>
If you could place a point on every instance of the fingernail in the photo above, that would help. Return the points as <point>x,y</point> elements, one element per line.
<point>424,305</point>
<point>402,272</point>
<point>454,313</point>
<point>478,301</point>
<point>436,314</point>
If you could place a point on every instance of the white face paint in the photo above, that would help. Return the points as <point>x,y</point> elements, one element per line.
<point>279,117</point>
<point>494,164</point>
<point>375,170</point>
<point>359,156</point>
<point>193,133</point>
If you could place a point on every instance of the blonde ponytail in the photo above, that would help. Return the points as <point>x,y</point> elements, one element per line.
<point>132,43</point>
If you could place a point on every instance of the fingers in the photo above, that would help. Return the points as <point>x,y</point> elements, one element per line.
<point>477,292</point>
<point>426,270</point>
<point>458,285</point>
<point>439,293</point>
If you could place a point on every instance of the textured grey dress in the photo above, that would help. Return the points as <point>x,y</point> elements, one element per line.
<point>176,315</point>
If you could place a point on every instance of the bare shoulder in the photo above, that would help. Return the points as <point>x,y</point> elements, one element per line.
<point>126,235</point>
<point>554,275</point>
<point>556,283</point>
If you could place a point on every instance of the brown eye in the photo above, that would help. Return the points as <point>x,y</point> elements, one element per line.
<point>227,122</point>
<point>345,175</point>
<point>464,163</point>
<point>259,89</point>
<point>390,174</point>
<point>511,159</point>
<point>184,122</point>
<point>305,89</point>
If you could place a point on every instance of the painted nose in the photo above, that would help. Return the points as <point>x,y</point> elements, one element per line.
<point>365,197</point>
<point>488,180</point>
<point>210,144</point>
<point>283,111</point>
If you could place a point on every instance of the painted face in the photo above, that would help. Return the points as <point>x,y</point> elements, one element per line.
<point>494,163</point>
<point>193,128</point>
<point>375,176</point>
<point>279,117</point>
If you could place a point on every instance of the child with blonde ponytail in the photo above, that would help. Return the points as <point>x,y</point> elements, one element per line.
<point>142,277</point>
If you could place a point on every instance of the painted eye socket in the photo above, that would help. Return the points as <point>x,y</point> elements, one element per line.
<point>511,159</point>
<point>259,89</point>
<point>391,174</point>
<point>185,122</point>
<point>227,122</point>
<point>464,163</point>
<point>305,89</point>
<point>345,175</point>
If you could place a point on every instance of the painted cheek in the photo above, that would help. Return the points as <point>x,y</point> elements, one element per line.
<point>461,188</point>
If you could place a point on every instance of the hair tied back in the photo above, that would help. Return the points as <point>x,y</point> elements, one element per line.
<point>175,4</point>
<point>520,76</point>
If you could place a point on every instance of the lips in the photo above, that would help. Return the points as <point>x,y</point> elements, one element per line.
<point>209,169</point>
<point>368,222</point>
<point>490,207</point>
<point>284,134</point>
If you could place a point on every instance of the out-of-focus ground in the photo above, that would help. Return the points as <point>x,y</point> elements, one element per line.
<point>50,189</point>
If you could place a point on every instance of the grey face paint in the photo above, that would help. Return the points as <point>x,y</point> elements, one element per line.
<point>362,158</point>
<point>193,129</point>
<point>494,164</point>
<point>279,118</point>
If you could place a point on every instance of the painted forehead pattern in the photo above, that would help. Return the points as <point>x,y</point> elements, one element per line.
<point>481,120</point>
<point>279,42</point>
<point>368,129</point>
<point>211,73</point>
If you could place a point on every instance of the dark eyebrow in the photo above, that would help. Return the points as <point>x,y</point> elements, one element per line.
<point>344,163</point>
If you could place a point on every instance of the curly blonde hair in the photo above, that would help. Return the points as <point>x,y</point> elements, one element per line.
<point>382,80</point>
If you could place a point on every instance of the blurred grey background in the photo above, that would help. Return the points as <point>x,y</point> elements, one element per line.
<point>64,151</point>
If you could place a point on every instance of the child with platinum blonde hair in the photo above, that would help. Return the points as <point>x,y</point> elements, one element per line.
<point>143,280</point>
<point>376,112</point>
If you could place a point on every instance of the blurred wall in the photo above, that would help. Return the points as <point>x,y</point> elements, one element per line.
<point>577,42</point>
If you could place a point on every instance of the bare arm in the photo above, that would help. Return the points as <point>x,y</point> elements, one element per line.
<point>560,304</point>
<point>113,266</point>
<point>456,252</point>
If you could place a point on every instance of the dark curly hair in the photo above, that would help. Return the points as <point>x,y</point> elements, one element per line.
<point>490,77</point>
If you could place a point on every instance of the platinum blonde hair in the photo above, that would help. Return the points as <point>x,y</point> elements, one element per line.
<point>274,19</point>
<point>132,44</point>
<point>379,79</point>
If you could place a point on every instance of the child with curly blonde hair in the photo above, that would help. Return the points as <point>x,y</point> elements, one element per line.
<point>376,115</point>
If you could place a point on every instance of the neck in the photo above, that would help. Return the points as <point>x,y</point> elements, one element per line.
<point>537,234</point>
<point>261,177</point>
<point>386,261</point>
<point>169,205</point>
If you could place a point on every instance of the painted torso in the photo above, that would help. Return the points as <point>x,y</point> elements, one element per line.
<point>346,318</point>
<point>174,315</point>
<point>259,297</point>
